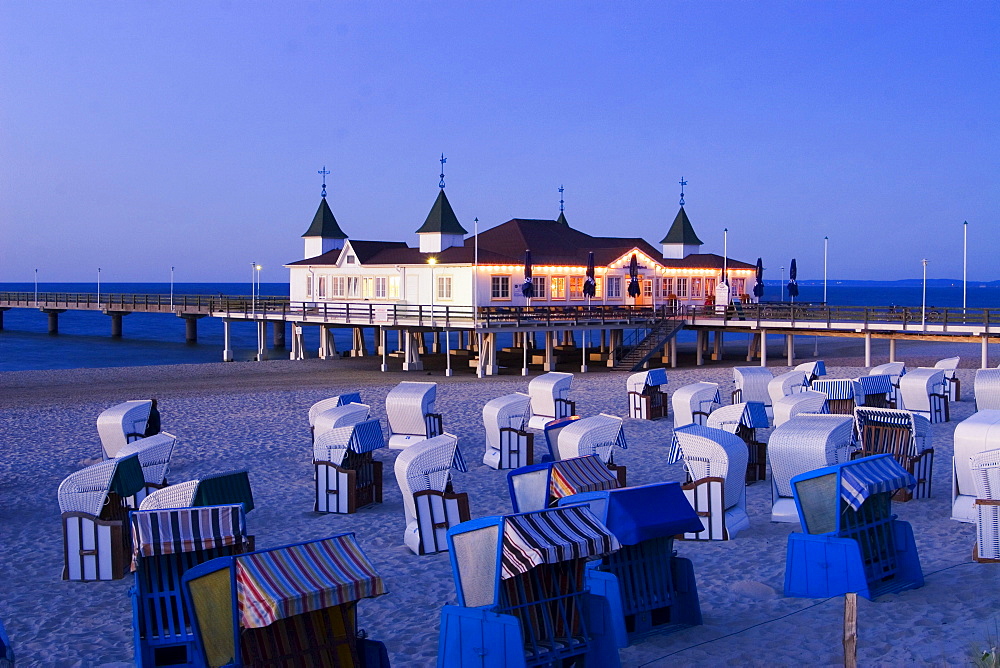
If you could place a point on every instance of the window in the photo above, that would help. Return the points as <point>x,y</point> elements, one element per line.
<point>558,287</point>
<point>500,287</point>
<point>444,287</point>
<point>367,287</point>
<point>696,287</point>
<point>350,259</point>
<point>739,286</point>
<point>668,286</point>
<point>322,287</point>
<point>682,288</point>
<point>614,287</point>
<point>576,287</point>
<point>394,287</point>
<point>380,287</point>
<point>541,283</point>
<point>647,288</point>
<point>353,286</point>
<point>598,286</point>
<point>710,287</point>
<point>309,286</point>
<point>338,286</point>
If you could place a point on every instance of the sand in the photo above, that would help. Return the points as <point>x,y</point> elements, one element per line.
<point>254,415</point>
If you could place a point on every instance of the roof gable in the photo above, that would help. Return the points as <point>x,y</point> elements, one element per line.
<point>442,218</point>
<point>324,224</point>
<point>681,232</point>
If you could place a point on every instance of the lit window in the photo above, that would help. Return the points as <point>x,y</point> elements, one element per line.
<point>647,288</point>
<point>558,287</point>
<point>696,287</point>
<point>394,287</point>
<point>682,288</point>
<point>710,287</point>
<point>322,287</point>
<point>500,287</point>
<point>668,287</point>
<point>739,286</point>
<point>576,287</point>
<point>540,283</point>
<point>367,287</point>
<point>614,287</point>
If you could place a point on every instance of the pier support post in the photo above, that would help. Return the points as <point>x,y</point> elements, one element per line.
<point>191,326</point>
<point>227,350</point>
<point>790,348</point>
<point>411,357</point>
<point>984,344</point>
<point>892,350</point>
<point>550,362</point>
<point>699,347</point>
<point>583,343</point>
<point>753,347</point>
<point>488,354</point>
<point>524,364</point>
<point>763,347</point>
<point>673,353</point>
<point>53,314</point>
<point>359,347</point>
<point>298,345</point>
<point>384,348</point>
<point>615,338</point>
<point>327,345</point>
<point>447,353</point>
<point>868,348</point>
<point>261,340</point>
<point>116,323</point>
<point>1,317</point>
<point>717,343</point>
<point>278,333</point>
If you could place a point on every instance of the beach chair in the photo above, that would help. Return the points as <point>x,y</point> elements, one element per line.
<point>550,398</point>
<point>344,415</point>
<point>409,408</point>
<point>878,390</point>
<point>332,402</point>
<point>693,403</point>
<point>122,423</point>
<point>978,433</point>
<point>658,589</point>
<point>987,389</point>
<point>744,419</point>
<point>154,456</point>
<point>904,435</point>
<point>165,544</point>
<point>716,463</point>
<point>646,401</point>
<point>788,407</point>
<point>6,651</point>
<point>986,473</point>
<point>843,394</point>
<point>508,443</point>
<point>92,501</point>
<point>525,596</point>
<point>813,370</point>
<point>952,383</point>
<point>595,435</point>
<point>294,605</point>
<point>347,476</point>
<point>430,505</point>
<point>785,384</point>
<point>895,371</point>
<point>851,541</point>
<point>541,486</point>
<point>925,391</point>
<point>802,444</point>
<point>750,384</point>
<point>217,489</point>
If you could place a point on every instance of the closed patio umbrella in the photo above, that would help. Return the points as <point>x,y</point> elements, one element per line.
<point>590,285</point>
<point>633,275</point>
<point>793,285</point>
<point>758,289</point>
<point>527,288</point>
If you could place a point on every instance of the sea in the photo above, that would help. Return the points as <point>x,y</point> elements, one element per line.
<point>84,339</point>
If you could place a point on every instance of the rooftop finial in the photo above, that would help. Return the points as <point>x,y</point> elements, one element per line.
<point>683,183</point>
<point>561,202</point>
<point>323,172</point>
<point>443,160</point>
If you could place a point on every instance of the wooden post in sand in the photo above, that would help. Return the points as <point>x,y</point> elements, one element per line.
<point>850,630</point>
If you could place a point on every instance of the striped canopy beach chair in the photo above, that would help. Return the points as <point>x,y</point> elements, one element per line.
<point>904,435</point>
<point>525,596</point>
<point>986,473</point>
<point>332,402</point>
<point>165,544</point>
<point>347,475</point>
<point>895,371</point>
<point>843,394</point>
<point>595,435</point>
<point>877,389</point>
<point>925,391</point>
<point>294,605</point>
<point>788,407</point>
<point>750,384</point>
<point>216,489</point>
<point>540,486</point>
<point>646,399</point>
<point>423,472</point>
<point>851,540</point>
<point>785,384</point>
<point>813,370</point>
<point>716,464</point>
<point>121,424</point>
<point>693,403</point>
<point>339,416</point>
<point>986,387</point>
<point>953,386</point>
<point>744,419</point>
<point>550,398</point>
<point>409,408</point>
<point>508,443</point>
<point>802,444</point>
<point>978,433</point>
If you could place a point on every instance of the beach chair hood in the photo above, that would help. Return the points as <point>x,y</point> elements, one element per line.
<point>123,421</point>
<point>636,514</point>
<point>332,402</point>
<point>407,404</point>
<point>178,530</point>
<point>427,465</point>
<point>340,416</point>
<point>87,489</point>
<point>638,382</point>
<point>154,455</point>
<point>510,411</point>
<point>333,445</point>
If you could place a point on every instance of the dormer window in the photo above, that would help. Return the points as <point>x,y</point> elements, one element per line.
<point>350,259</point>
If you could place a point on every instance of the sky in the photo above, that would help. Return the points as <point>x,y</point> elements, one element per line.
<point>136,136</point>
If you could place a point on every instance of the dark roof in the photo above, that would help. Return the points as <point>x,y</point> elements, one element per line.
<point>324,224</point>
<point>707,261</point>
<point>363,250</point>
<point>681,232</point>
<point>442,218</point>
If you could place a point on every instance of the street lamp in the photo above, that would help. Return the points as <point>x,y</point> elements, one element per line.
<point>98,285</point>
<point>257,268</point>
<point>36,287</point>
<point>171,288</point>
<point>965,261</point>
<point>781,288</point>
<point>826,247</point>
<point>923,308</point>
<point>475,295</point>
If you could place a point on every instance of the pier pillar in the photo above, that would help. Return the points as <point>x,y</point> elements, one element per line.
<point>985,361</point>
<point>411,358</point>
<point>400,340</point>
<point>447,354</point>
<point>261,340</point>
<point>191,326</point>
<point>488,355</point>
<point>359,347</point>
<point>753,347</point>
<point>53,319</point>
<point>550,362</point>
<point>278,333</point>
<point>763,347</point>
<point>868,348</point>
<point>227,350</point>
<point>717,343</point>
<point>615,338</point>
<point>1,317</point>
<point>327,345</point>
<point>583,343</point>
<point>673,353</point>
<point>384,348</point>
<point>604,340</point>
<point>790,349</point>
<point>892,350</point>
<point>525,339</point>
<point>298,345</point>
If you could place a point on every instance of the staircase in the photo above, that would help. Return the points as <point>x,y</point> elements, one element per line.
<point>634,357</point>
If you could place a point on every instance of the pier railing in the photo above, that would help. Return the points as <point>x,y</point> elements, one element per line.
<point>111,301</point>
<point>869,317</point>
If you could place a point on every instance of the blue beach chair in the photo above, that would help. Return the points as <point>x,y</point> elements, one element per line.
<point>6,653</point>
<point>294,605</point>
<point>165,545</point>
<point>523,595</point>
<point>852,541</point>
<point>540,486</point>
<point>658,589</point>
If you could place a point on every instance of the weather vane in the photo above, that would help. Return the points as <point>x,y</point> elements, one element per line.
<point>443,160</point>
<point>323,172</point>
<point>561,203</point>
<point>683,183</point>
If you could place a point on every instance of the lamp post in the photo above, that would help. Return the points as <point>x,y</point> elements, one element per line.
<point>782,286</point>
<point>432,261</point>
<point>98,285</point>
<point>253,287</point>
<point>826,247</point>
<point>36,287</point>
<point>923,307</point>
<point>257,269</point>
<point>171,288</point>
<point>965,261</point>
<point>475,296</point>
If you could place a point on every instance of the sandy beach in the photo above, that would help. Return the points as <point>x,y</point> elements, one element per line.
<point>254,415</point>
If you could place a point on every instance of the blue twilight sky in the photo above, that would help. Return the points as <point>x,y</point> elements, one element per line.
<point>139,135</point>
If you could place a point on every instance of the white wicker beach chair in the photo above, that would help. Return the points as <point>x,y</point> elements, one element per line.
<point>952,382</point>
<point>895,370</point>
<point>903,434</point>
<point>646,399</point>
<point>344,415</point>
<point>550,398</point>
<point>221,488</point>
<point>788,407</point>
<point>786,384</point>
<point>925,391</point>
<point>346,474</point>
<point>804,443</point>
<point>986,472</point>
<point>843,394</point>
<point>750,384</point>
<point>716,463</point>
<point>744,419</point>
<point>508,444</point>
<point>987,389</point>
<point>154,456</point>
<point>594,435</point>
<point>423,472</point>
<point>409,408</point>
<point>93,506</point>
<point>978,433</point>
<point>122,423</point>
<point>693,403</point>
<point>332,402</point>
<point>179,495</point>
<point>813,370</point>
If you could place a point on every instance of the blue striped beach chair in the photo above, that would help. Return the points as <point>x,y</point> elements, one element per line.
<point>904,435</point>
<point>542,485</point>
<point>744,419</point>
<point>647,396</point>
<point>347,475</point>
